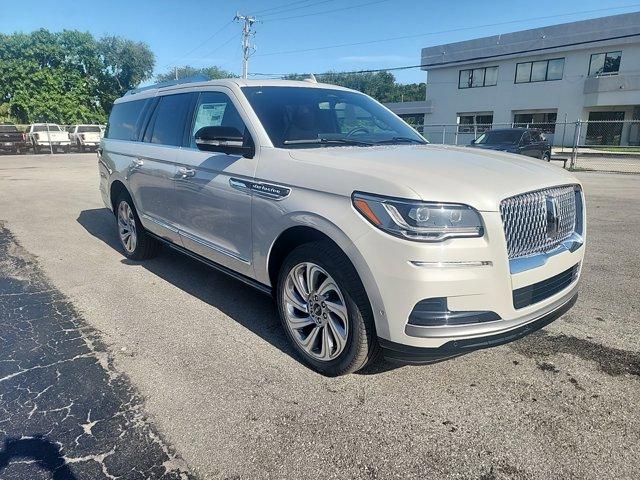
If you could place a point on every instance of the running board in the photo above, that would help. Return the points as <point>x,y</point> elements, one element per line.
<point>216,266</point>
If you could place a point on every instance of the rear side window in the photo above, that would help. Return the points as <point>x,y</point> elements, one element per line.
<point>123,121</point>
<point>168,122</point>
<point>88,129</point>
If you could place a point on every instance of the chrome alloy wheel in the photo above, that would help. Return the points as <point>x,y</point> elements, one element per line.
<point>315,310</point>
<point>127,227</point>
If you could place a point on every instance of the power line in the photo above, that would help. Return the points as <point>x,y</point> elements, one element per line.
<point>296,8</point>
<point>235,35</point>
<point>407,67</point>
<point>327,11</point>
<point>284,6</point>
<point>460,29</point>
<point>201,43</point>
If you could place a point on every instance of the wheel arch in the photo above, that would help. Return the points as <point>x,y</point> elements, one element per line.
<point>115,190</point>
<point>299,234</point>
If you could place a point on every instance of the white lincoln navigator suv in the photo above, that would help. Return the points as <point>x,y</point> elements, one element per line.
<point>372,241</point>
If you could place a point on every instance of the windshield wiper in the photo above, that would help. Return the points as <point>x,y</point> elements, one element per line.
<point>400,139</point>
<point>327,141</point>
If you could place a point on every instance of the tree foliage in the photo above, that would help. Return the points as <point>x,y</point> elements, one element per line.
<point>188,71</point>
<point>68,76</point>
<point>380,85</point>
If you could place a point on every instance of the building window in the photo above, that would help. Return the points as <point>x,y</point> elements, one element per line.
<point>474,122</point>
<point>543,121</point>
<point>604,128</point>
<point>478,77</point>
<point>605,63</point>
<point>541,71</point>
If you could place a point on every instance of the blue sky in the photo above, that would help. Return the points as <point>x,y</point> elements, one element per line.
<point>173,29</point>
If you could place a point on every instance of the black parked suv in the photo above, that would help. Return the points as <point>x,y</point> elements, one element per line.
<point>524,141</point>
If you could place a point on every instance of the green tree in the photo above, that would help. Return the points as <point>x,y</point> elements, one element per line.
<point>380,85</point>
<point>68,76</point>
<point>188,71</point>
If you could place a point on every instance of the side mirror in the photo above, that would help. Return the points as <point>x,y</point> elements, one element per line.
<point>227,140</point>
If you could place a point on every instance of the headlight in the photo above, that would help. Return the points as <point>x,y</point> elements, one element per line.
<point>420,221</point>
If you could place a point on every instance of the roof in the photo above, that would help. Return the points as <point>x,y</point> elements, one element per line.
<point>152,91</point>
<point>615,29</point>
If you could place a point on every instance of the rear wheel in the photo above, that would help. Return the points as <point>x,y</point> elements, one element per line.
<point>136,242</point>
<point>325,311</point>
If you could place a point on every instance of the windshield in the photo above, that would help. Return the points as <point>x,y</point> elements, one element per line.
<point>499,137</point>
<point>88,128</point>
<point>8,128</point>
<point>306,117</point>
<point>43,128</point>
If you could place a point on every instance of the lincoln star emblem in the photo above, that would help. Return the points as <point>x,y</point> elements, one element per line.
<point>553,216</point>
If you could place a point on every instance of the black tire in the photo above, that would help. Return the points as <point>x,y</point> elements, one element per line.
<point>36,148</point>
<point>81,147</point>
<point>145,245</point>
<point>361,348</point>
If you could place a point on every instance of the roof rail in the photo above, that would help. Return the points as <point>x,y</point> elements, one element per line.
<point>168,83</point>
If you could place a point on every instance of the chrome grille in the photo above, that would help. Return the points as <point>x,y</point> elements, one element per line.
<point>525,221</point>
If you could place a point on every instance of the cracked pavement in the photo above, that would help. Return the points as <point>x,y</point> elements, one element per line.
<point>224,390</point>
<point>65,413</point>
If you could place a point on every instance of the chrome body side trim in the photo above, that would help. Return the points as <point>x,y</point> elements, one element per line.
<point>160,223</point>
<point>213,246</point>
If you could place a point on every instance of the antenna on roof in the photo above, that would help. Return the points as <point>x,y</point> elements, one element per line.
<point>195,78</point>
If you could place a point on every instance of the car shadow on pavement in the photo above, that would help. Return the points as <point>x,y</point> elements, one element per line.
<point>46,454</point>
<point>253,310</point>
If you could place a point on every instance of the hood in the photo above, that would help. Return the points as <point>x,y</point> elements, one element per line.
<point>476,177</point>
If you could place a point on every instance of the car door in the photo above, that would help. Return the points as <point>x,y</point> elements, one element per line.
<point>153,169</point>
<point>526,147</point>
<point>539,144</point>
<point>214,216</point>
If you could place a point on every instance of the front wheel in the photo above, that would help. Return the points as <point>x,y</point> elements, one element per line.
<point>324,310</point>
<point>136,242</point>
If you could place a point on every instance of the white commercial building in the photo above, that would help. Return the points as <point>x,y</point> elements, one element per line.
<point>587,70</point>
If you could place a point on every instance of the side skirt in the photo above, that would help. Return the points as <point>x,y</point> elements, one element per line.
<point>216,266</point>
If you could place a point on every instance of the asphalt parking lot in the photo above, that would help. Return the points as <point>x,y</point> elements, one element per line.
<point>221,392</point>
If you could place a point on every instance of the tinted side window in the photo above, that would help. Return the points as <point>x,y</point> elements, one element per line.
<point>124,119</point>
<point>212,110</point>
<point>168,122</point>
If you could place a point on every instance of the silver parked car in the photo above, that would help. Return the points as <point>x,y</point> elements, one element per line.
<point>372,241</point>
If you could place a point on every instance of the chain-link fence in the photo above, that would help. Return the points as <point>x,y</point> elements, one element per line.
<point>603,145</point>
<point>48,138</point>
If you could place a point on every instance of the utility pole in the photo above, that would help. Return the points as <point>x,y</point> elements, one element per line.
<point>247,48</point>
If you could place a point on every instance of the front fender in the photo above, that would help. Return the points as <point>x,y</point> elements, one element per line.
<point>270,222</point>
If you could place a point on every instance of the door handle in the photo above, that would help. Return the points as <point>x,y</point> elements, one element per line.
<point>184,172</point>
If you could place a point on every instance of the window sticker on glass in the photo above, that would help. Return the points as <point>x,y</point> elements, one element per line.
<point>209,115</point>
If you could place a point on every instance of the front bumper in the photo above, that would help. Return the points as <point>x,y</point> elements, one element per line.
<point>12,145</point>
<point>55,143</point>
<point>415,355</point>
<point>472,274</point>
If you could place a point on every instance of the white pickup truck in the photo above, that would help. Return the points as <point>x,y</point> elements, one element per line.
<point>84,136</point>
<point>48,137</point>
